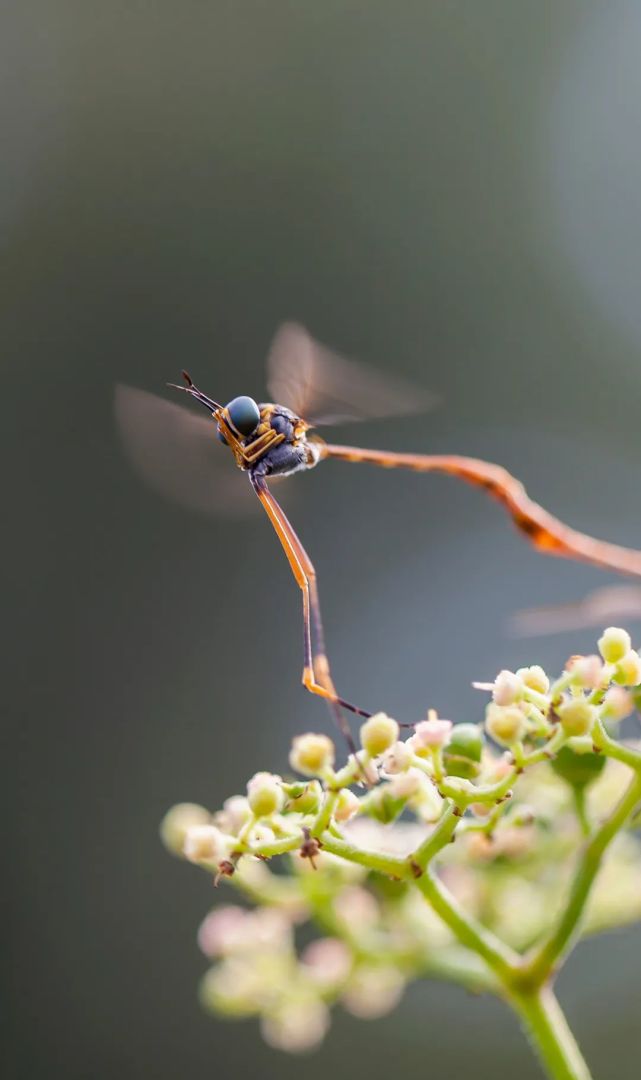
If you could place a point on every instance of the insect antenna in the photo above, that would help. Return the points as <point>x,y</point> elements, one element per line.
<point>191,388</point>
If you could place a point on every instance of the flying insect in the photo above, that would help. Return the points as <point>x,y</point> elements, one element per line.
<point>311,386</point>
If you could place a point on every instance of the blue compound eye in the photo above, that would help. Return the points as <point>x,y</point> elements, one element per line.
<point>244,414</point>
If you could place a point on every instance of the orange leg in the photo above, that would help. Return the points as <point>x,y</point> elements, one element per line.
<point>544,531</point>
<point>316,673</point>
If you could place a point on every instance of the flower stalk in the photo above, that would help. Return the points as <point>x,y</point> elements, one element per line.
<point>445,863</point>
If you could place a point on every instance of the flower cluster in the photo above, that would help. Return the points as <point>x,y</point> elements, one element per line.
<point>372,865</point>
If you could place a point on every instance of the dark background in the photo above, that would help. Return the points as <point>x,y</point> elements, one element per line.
<point>450,191</point>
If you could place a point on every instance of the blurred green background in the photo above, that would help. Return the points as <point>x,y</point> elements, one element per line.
<point>451,191</point>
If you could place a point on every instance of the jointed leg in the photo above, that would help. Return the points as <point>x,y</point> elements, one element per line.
<point>316,672</point>
<point>544,531</point>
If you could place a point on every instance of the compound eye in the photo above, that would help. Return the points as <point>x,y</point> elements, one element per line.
<point>244,414</point>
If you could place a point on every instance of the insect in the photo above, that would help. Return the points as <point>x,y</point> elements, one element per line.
<point>310,386</point>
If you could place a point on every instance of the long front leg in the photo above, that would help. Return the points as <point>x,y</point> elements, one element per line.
<point>541,529</point>
<point>316,671</point>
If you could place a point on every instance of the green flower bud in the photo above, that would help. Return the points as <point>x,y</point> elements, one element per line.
<point>578,770</point>
<point>576,716</point>
<point>462,754</point>
<point>265,794</point>
<point>176,822</point>
<point>628,669</point>
<point>505,725</point>
<point>311,754</point>
<point>378,734</point>
<point>303,798</point>
<point>382,805</point>
<point>614,644</point>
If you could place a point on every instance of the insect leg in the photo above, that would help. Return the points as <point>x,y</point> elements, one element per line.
<point>541,529</point>
<point>316,672</point>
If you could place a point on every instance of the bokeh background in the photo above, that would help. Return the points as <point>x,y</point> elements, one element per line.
<point>448,191</point>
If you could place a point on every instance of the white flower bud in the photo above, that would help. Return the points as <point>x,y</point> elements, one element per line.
<point>407,784</point>
<point>431,734</point>
<point>378,734</point>
<point>614,644</point>
<point>347,805</point>
<point>506,725</point>
<point>373,991</point>
<point>628,669</point>
<point>534,678</point>
<point>576,716</point>
<point>311,754</point>
<point>265,794</point>
<point>327,962</point>
<point>238,812</point>
<point>617,704</point>
<point>397,759</point>
<point>206,844</point>
<point>587,671</point>
<point>222,930</point>
<point>508,688</point>
<point>176,822</point>
<point>297,1026</point>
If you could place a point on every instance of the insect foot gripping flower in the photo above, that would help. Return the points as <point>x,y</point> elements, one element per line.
<point>459,859</point>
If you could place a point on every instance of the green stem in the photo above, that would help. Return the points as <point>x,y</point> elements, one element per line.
<point>551,952</point>
<point>392,865</point>
<point>548,1032</point>
<point>615,749</point>
<point>440,836</point>
<point>581,810</point>
<point>499,957</point>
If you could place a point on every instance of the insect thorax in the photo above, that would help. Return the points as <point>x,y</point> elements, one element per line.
<point>293,453</point>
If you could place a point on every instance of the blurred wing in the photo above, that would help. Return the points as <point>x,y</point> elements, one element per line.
<point>598,609</point>
<point>324,388</point>
<point>177,453</point>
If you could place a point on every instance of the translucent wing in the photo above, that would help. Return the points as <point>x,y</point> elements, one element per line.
<point>177,453</point>
<point>325,388</point>
<point>598,609</point>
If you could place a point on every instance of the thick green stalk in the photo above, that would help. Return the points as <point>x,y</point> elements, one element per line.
<point>498,957</point>
<point>550,954</point>
<point>549,1035</point>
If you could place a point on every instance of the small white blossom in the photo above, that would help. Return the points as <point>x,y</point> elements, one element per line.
<point>297,1026</point>
<point>327,961</point>
<point>508,688</point>
<point>431,733</point>
<point>206,844</point>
